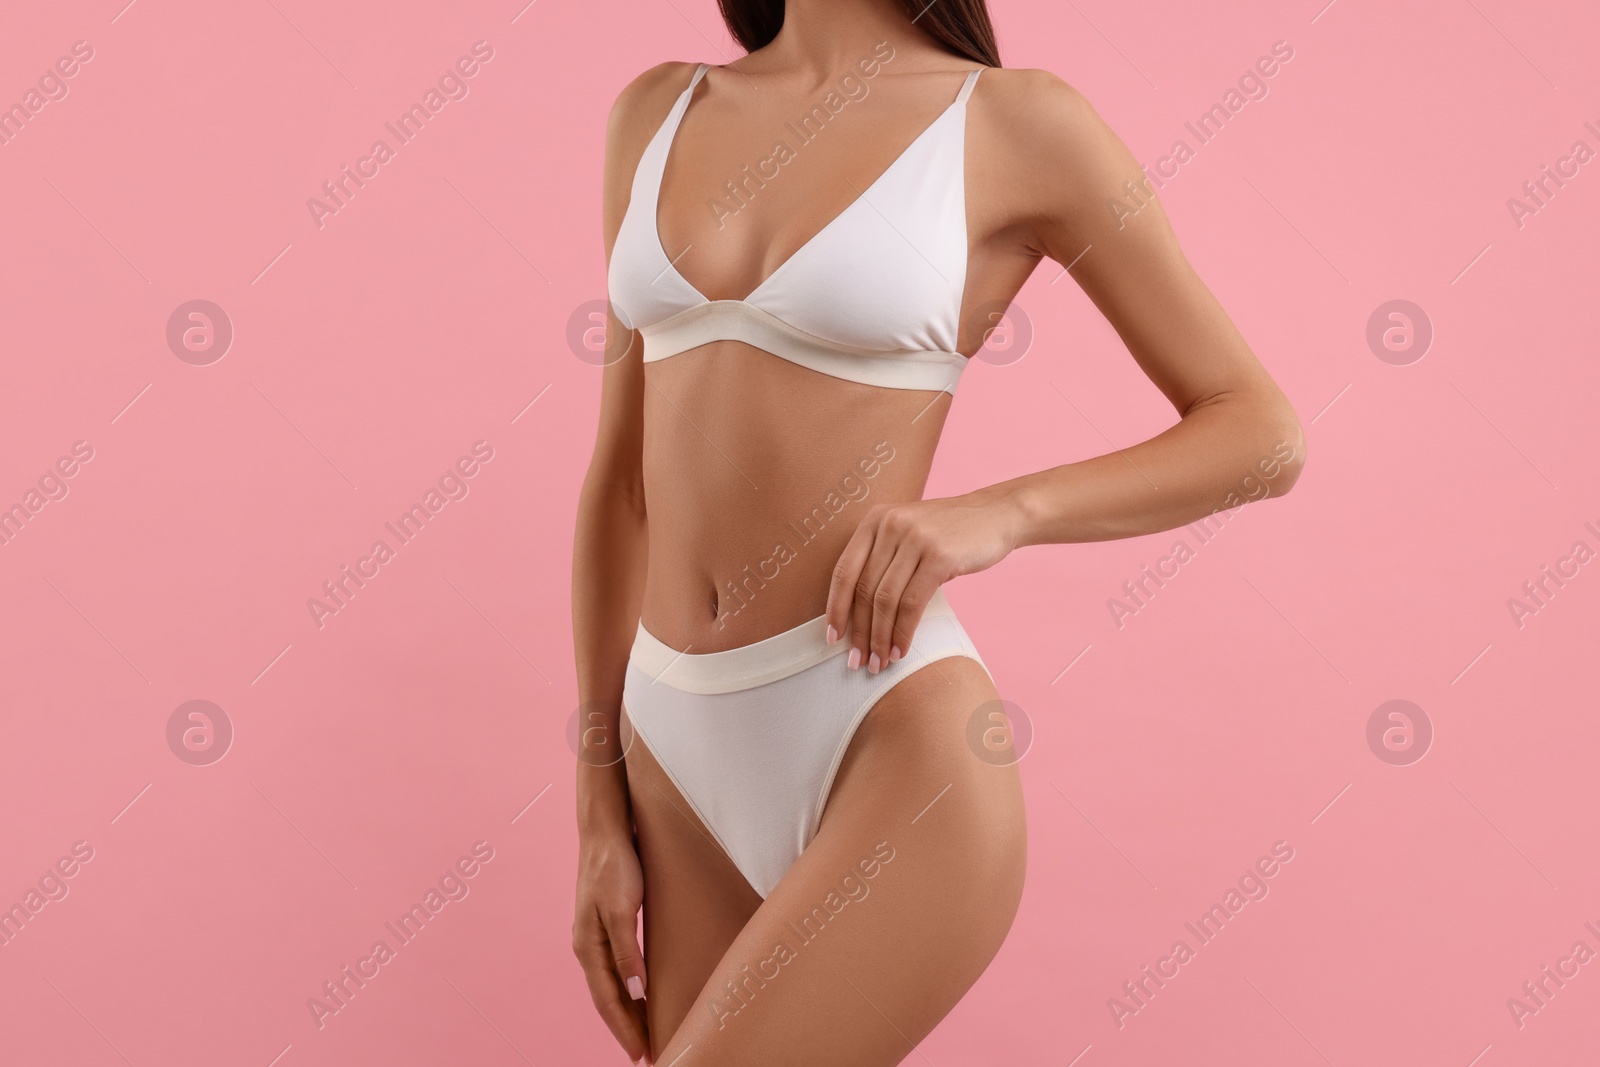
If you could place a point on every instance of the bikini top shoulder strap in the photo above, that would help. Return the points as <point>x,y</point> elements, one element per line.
<point>654,162</point>
<point>966,86</point>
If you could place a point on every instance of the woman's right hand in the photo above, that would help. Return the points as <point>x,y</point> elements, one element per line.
<point>605,938</point>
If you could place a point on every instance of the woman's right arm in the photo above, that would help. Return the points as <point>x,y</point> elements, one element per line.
<point>608,570</point>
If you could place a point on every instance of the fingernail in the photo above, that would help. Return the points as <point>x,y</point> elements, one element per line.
<point>873,663</point>
<point>895,653</point>
<point>854,660</point>
<point>833,635</point>
<point>636,987</point>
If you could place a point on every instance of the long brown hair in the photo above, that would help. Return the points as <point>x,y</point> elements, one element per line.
<point>962,26</point>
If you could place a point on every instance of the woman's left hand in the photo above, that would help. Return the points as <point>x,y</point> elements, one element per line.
<point>900,554</point>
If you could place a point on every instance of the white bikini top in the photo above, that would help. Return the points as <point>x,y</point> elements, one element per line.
<point>872,297</point>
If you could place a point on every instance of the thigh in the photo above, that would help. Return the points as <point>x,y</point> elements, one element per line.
<point>895,908</point>
<point>695,899</point>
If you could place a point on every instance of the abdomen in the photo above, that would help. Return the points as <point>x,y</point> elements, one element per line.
<point>757,472</point>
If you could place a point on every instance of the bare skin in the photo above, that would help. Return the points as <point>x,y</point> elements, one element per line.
<point>727,447</point>
<point>930,921</point>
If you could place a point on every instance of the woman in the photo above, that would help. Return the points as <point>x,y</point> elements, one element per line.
<point>801,249</point>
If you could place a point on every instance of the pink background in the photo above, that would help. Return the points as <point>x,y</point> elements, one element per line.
<point>429,713</point>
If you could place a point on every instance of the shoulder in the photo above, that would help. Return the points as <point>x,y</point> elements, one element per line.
<point>1034,108</point>
<point>636,115</point>
<point>644,102</point>
<point>1045,149</point>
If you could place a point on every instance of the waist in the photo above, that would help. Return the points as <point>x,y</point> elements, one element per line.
<point>747,666</point>
<point>756,473</point>
<point>727,578</point>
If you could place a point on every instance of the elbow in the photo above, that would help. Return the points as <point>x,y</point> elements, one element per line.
<point>1286,442</point>
<point>632,493</point>
<point>627,492</point>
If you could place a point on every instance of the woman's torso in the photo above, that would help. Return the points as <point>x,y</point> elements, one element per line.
<point>757,467</point>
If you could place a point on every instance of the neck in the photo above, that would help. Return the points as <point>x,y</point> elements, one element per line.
<point>822,37</point>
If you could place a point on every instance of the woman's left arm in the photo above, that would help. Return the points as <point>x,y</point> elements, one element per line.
<point>1237,438</point>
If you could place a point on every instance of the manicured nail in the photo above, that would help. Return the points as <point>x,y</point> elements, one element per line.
<point>833,635</point>
<point>636,987</point>
<point>854,660</point>
<point>895,653</point>
<point>873,663</point>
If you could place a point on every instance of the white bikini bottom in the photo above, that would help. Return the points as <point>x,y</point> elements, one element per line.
<point>752,737</point>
